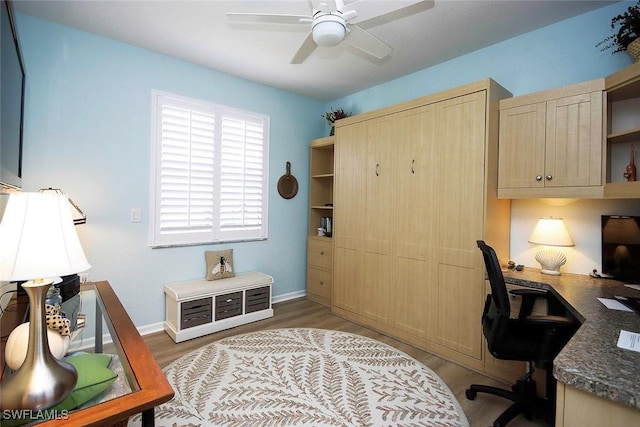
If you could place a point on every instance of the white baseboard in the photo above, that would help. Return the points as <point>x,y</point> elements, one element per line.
<point>88,342</point>
<point>287,297</point>
<point>150,329</point>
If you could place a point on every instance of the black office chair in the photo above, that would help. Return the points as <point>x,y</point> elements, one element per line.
<point>530,338</point>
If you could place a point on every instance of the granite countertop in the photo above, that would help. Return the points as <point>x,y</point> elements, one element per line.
<point>591,360</point>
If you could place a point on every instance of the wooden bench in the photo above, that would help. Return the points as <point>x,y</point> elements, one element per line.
<point>200,307</point>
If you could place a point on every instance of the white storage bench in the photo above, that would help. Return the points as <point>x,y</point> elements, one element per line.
<point>200,307</point>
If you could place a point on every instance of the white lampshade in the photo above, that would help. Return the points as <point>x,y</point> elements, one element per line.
<point>38,238</point>
<point>76,213</point>
<point>328,30</point>
<point>551,232</point>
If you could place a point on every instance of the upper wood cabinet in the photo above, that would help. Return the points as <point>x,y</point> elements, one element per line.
<point>551,143</point>
<point>574,141</point>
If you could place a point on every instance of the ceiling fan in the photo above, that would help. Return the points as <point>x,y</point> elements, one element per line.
<point>335,21</point>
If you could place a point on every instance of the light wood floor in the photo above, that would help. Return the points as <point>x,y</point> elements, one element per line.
<point>302,313</point>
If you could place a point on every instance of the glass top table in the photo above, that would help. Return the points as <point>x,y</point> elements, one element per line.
<point>141,384</point>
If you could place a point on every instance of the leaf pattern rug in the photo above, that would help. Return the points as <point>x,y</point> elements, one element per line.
<point>304,377</point>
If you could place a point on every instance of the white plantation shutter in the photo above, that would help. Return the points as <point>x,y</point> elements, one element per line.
<point>209,171</point>
<point>241,187</point>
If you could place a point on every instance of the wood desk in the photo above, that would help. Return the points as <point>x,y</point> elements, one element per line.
<point>598,383</point>
<point>149,385</point>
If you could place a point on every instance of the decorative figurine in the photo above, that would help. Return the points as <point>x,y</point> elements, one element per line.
<point>630,172</point>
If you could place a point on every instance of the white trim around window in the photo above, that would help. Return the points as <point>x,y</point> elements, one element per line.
<point>209,173</point>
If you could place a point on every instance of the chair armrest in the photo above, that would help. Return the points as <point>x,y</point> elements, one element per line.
<point>529,297</point>
<point>560,321</point>
<point>529,292</point>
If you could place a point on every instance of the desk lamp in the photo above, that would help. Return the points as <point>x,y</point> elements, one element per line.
<point>551,232</point>
<point>39,242</point>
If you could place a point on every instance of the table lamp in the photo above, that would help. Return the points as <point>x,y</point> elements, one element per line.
<point>551,232</point>
<point>39,242</point>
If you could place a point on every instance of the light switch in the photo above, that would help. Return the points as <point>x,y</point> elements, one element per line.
<point>136,215</point>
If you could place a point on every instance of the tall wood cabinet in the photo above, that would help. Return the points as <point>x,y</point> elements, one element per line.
<point>415,187</point>
<point>320,248</point>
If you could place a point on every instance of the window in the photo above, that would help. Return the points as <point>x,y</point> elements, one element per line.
<point>209,173</point>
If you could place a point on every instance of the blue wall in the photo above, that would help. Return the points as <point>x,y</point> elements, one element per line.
<point>553,56</point>
<point>87,131</point>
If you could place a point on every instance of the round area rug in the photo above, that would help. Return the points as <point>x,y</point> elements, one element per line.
<point>304,377</point>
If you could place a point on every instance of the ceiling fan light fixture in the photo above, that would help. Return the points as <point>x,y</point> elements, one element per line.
<point>329,30</point>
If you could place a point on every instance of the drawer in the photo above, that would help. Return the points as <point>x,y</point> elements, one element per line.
<point>257,299</point>
<point>319,282</point>
<point>319,253</point>
<point>196,312</point>
<point>228,305</point>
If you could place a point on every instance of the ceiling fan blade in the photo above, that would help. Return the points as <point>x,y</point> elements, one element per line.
<point>384,11</point>
<point>269,18</point>
<point>305,49</point>
<point>367,42</point>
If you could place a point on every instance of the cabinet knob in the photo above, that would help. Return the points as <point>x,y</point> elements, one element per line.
<point>549,177</point>
<point>321,282</point>
<point>538,178</point>
<point>321,252</point>
<point>229,300</point>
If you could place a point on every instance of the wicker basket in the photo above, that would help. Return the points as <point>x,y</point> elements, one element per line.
<point>634,49</point>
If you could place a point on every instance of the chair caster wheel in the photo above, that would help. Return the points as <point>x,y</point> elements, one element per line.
<point>471,394</point>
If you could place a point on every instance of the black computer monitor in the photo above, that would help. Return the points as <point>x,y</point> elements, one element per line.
<point>621,247</point>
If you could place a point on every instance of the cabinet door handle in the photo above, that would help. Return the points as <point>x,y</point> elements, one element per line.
<point>413,163</point>
<point>549,177</point>
<point>538,178</point>
<point>377,169</point>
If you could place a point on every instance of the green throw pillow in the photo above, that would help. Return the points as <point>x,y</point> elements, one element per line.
<point>94,377</point>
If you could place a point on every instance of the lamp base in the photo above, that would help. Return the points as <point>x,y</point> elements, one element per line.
<point>42,381</point>
<point>550,260</point>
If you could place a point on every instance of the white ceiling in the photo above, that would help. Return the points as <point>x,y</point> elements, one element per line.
<point>199,32</point>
